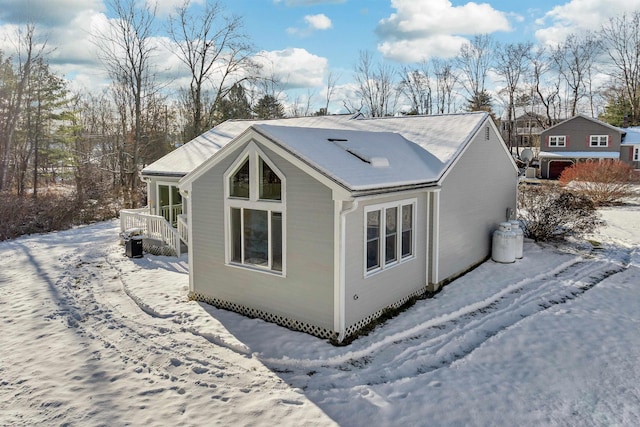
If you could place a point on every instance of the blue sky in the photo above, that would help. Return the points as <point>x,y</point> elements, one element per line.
<point>304,40</point>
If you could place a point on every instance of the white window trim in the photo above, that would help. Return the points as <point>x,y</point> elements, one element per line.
<point>558,139</point>
<point>594,141</point>
<point>253,152</point>
<point>381,249</point>
<point>636,153</point>
<point>157,208</point>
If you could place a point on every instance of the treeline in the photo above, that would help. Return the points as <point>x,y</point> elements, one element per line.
<point>595,73</point>
<point>93,145</point>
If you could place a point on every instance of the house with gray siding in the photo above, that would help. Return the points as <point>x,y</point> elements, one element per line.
<point>582,138</point>
<point>321,226</point>
<point>630,147</point>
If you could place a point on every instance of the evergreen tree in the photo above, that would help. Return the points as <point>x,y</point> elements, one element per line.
<point>481,101</point>
<point>269,107</point>
<point>235,105</point>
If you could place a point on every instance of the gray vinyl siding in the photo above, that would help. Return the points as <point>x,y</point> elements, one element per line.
<point>306,293</point>
<point>475,197</point>
<point>626,155</point>
<point>578,132</point>
<point>366,295</point>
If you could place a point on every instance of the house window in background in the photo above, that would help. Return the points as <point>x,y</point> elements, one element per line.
<point>599,141</point>
<point>558,141</point>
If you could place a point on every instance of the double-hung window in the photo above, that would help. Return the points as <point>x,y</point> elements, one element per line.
<point>558,141</point>
<point>389,234</point>
<point>254,213</point>
<point>636,153</point>
<point>599,141</point>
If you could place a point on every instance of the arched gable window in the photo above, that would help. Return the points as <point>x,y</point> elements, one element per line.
<point>254,212</point>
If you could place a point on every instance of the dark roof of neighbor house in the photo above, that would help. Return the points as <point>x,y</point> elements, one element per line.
<point>583,116</point>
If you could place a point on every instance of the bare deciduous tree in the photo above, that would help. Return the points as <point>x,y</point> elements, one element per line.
<point>474,62</point>
<point>332,80</point>
<point>446,80</point>
<point>28,52</point>
<point>511,65</point>
<point>621,40</point>
<point>547,90</point>
<point>217,54</point>
<point>375,86</point>
<point>574,59</point>
<point>126,50</point>
<point>416,86</point>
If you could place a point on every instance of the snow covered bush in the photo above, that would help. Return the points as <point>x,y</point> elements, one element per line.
<point>605,182</point>
<point>548,212</point>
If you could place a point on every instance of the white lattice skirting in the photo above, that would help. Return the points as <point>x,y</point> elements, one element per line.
<point>297,325</point>
<point>356,327</point>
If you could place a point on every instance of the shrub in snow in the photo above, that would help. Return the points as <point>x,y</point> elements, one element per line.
<point>605,182</point>
<point>49,211</point>
<point>549,212</point>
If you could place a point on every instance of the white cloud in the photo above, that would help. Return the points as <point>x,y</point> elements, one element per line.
<point>318,22</point>
<point>580,15</point>
<point>46,13</point>
<point>425,28</point>
<point>314,23</point>
<point>416,50</point>
<point>295,67</point>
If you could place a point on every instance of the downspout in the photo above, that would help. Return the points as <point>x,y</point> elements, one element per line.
<point>435,238</point>
<point>340,273</point>
<point>186,197</point>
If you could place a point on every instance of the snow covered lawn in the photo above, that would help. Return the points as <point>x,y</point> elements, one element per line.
<point>90,337</point>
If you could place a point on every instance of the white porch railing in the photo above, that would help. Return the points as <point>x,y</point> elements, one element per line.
<point>183,228</point>
<point>152,226</point>
<point>171,212</point>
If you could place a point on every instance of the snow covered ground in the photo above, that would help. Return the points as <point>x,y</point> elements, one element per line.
<point>90,337</point>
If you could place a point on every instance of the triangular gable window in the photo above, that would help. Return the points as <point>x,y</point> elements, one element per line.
<point>240,181</point>
<point>254,213</point>
<point>270,183</point>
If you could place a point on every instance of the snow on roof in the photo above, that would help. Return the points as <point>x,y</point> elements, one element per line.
<point>580,154</point>
<point>442,136</point>
<point>632,135</point>
<point>359,160</point>
<point>186,158</point>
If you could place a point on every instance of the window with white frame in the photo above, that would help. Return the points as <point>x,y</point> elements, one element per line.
<point>599,141</point>
<point>636,153</point>
<point>389,234</point>
<point>558,141</point>
<point>255,212</point>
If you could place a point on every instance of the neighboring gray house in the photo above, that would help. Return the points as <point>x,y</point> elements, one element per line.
<point>579,138</point>
<point>322,227</point>
<point>630,147</point>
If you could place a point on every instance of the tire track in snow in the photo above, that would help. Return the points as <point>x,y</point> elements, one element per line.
<point>448,339</point>
<point>158,348</point>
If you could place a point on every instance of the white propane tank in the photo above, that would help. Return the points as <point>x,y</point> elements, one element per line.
<point>504,244</point>
<point>515,227</point>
